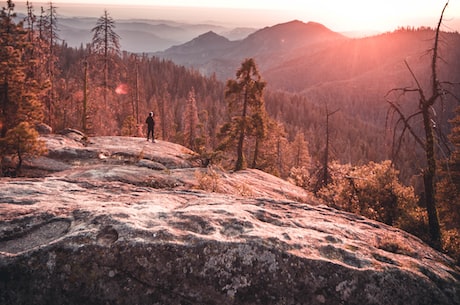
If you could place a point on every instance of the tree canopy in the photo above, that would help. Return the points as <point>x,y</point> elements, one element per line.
<point>246,107</point>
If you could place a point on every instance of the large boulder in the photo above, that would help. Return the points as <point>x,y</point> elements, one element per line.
<point>110,230</point>
<point>43,129</point>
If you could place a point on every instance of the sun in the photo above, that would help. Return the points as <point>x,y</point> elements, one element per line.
<point>376,15</point>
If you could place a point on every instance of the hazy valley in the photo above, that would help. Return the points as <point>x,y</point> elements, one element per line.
<point>142,35</point>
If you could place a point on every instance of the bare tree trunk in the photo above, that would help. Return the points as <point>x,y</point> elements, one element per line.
<point>85,97</point>
<point>240,156</point>
<point>429,179</point>
<point>425,106</point>
<point>256,153</point>
<point>430,172</point>
<point>325,178</point>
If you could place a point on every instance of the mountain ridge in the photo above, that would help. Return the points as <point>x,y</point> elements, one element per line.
<point>270,44</point>
<point>141,35</point>
<point>208,41</point>
<point>302,57</point>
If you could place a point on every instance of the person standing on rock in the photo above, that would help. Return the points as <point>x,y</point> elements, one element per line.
<point>150,127</point>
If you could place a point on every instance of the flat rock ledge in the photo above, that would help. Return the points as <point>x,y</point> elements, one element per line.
<point>95,233</point>
<point>193,248</point>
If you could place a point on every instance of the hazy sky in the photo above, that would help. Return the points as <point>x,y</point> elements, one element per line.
<point>338,15</point>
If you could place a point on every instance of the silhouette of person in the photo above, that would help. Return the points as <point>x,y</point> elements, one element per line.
<point>150,127</point>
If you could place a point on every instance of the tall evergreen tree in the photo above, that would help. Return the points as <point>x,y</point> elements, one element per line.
<point>10,59</point>
<point>20,106</point>
<point>48,35</point>
<point>30,20</point>
<point>299,148</point>
<point>454,168</point>
<point>245,103</point>
<point>18,91</point>
<point>35,57</point>
<point>106,43</point>
<point>269,153</point>
<point>448,194</point>
<point>259,130</point>
<point>191,121</point>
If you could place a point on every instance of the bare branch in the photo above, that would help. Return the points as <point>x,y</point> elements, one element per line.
<point>395,152</point>
<point>419,90</point>
<point>450,83</point>
<point>401,90</point>
<point>333,112</point>
<point>406,122</point>
<point>435,84</point>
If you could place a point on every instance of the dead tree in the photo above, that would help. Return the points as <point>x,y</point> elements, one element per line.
<point>427,140</point>
<point>324,176</point>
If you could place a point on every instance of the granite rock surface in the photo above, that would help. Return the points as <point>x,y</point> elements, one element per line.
<point>118,220</point>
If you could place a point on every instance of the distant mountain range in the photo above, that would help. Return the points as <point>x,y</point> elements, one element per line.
<point>142,35</point>
<point>211,53</point>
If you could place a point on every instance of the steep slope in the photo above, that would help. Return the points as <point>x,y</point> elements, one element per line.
<point>120,220</point>
<point>355,75</point>
<point>379,56</point>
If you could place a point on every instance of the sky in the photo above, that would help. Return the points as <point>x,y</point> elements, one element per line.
<point>338,15</point>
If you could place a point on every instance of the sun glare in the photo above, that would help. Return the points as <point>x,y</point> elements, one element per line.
<point>121,89</point>
<point>338,15</point>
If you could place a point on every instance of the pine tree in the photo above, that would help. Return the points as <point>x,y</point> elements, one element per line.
<point>106,43</point>
<point>191,121</point>
<point>48,38</point>
<point>298,160</point>
<point>454,160</point>
<point>10,60</point>
<point>164,112</point>
<point>22,141</point>
<point>30,20</point>
<point>129,127</point>
<point>245,103</point>
<point>20,104</point>
<point>449,193</point>
<point>299,148</point>
<point>259,130</point>
<point>270,156</point>
<point>19,91</point>
<point>84,116</point>
<point>281,150</point>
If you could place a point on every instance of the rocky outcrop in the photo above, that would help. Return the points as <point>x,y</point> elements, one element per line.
<point>124,221</point>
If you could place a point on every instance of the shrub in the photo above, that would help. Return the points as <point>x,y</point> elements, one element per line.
<point>209,180</point>
<point>374,191</point>
<point>20,142</point>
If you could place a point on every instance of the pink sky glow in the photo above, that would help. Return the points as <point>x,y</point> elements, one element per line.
<point>338,15</point>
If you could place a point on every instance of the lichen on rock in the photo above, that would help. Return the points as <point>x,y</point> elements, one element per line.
<point>115,231</point>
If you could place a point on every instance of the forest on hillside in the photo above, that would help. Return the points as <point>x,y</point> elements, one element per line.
<point>102,90</point>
